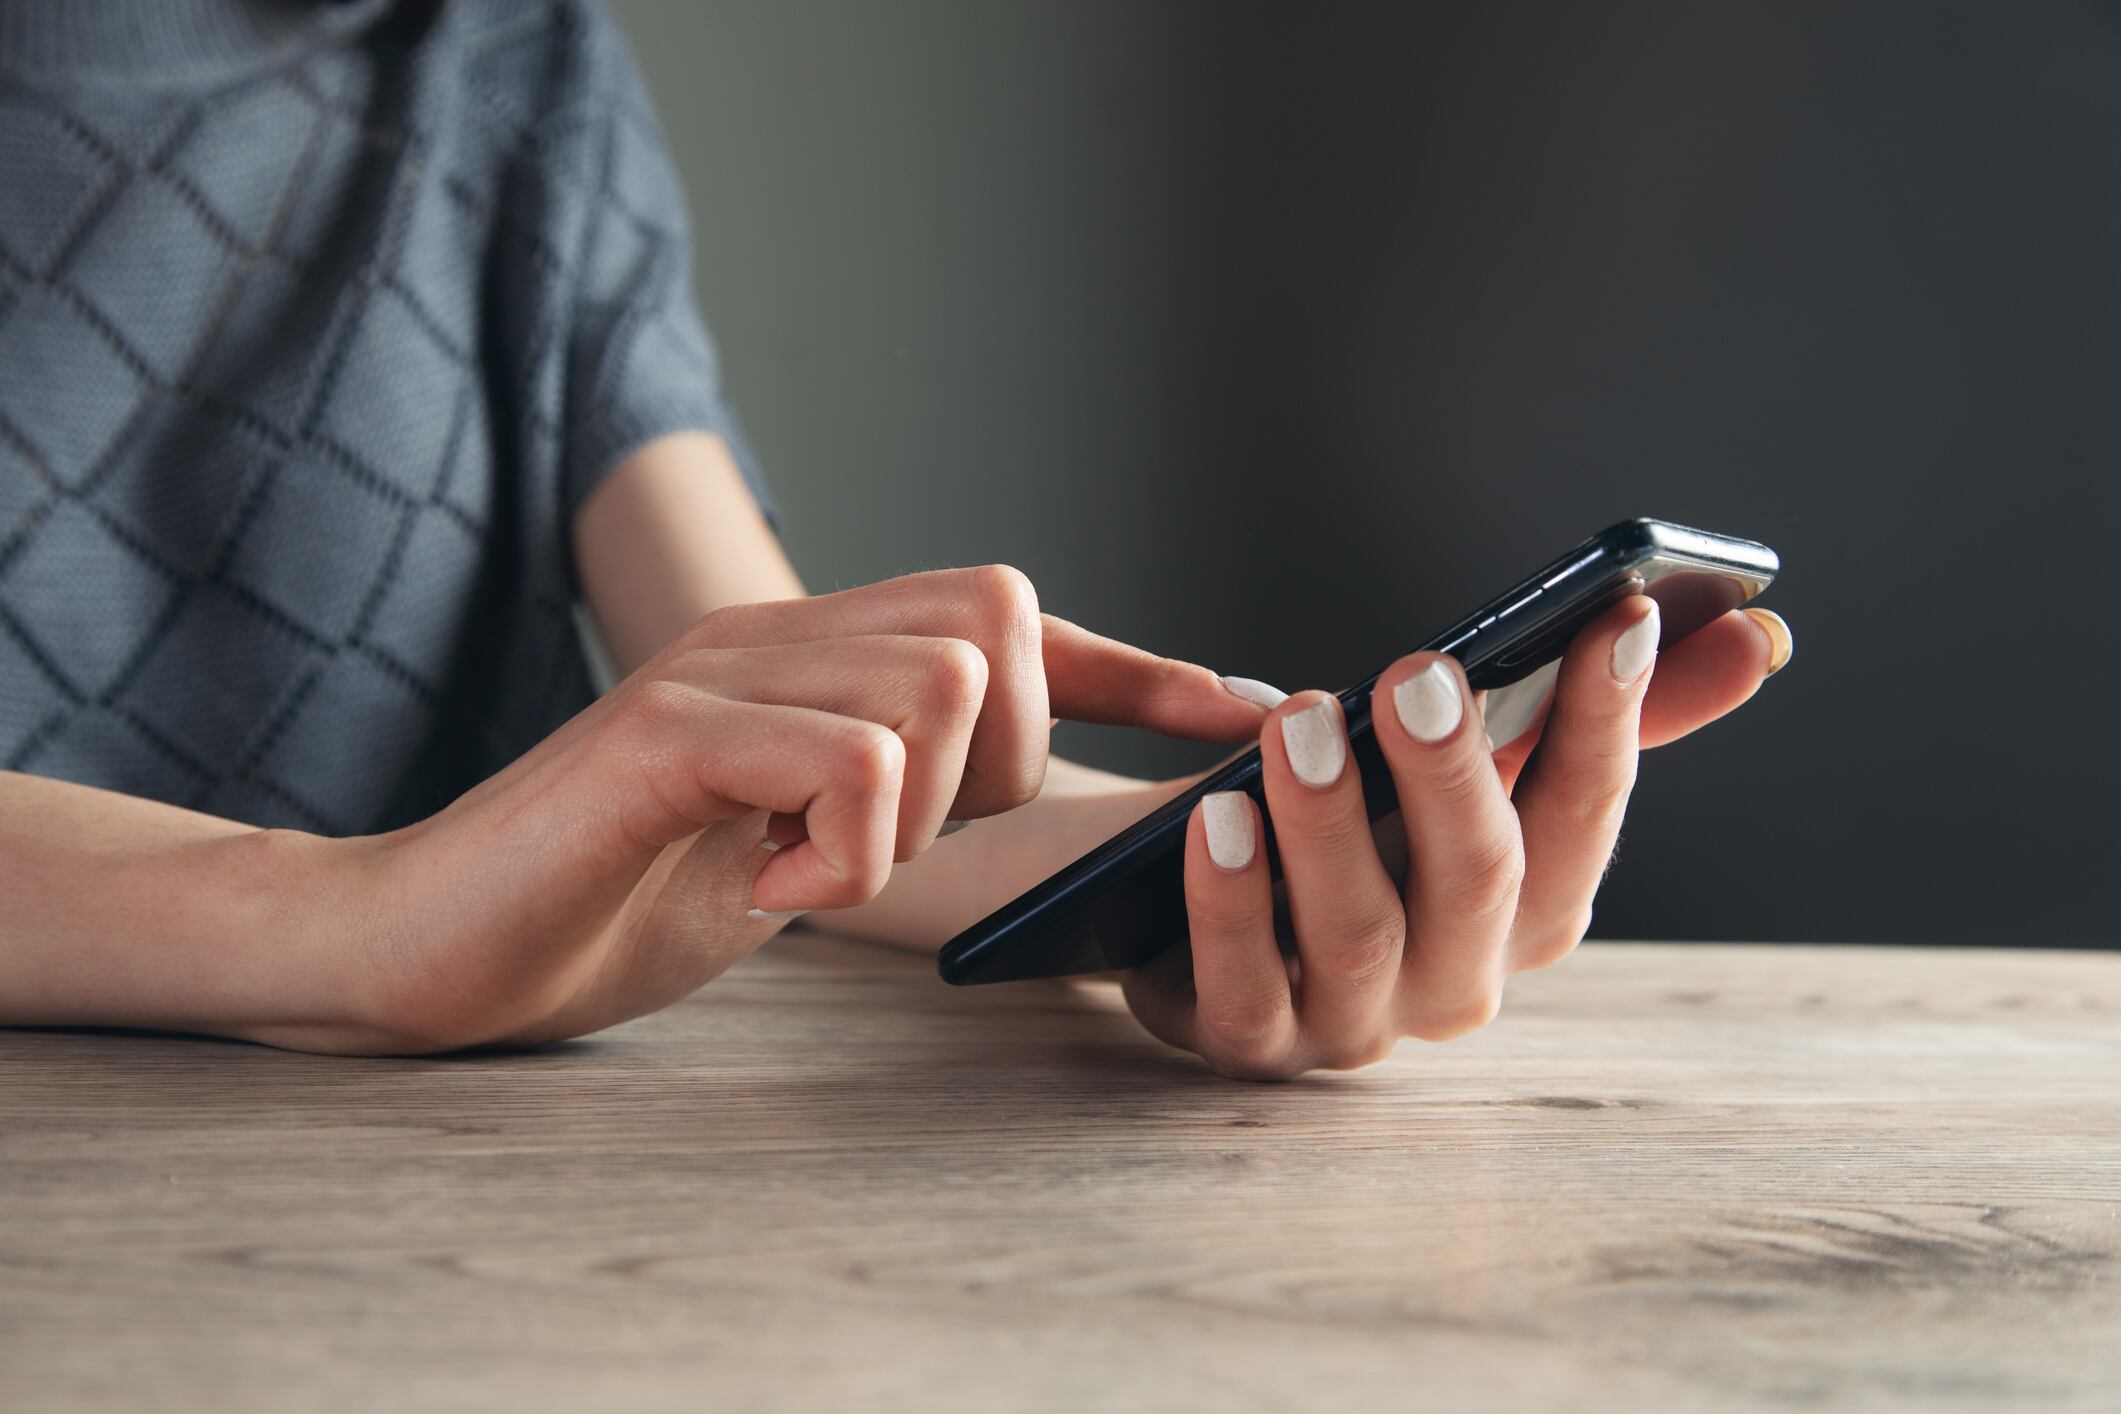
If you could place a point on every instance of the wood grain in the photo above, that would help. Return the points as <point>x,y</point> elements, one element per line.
<point>1668,1177</point>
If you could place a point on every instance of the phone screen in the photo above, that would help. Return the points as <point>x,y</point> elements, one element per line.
<point>1124,901</point>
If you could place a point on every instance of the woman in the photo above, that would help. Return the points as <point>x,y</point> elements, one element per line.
<point>343,346</point>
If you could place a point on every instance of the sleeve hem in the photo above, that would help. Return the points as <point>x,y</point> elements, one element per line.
<point>596,449</point>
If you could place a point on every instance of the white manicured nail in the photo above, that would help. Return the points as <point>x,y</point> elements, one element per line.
<point>1232,835</point>
<point>1429,704</point>
<point>768,845</point>
<point>1511,711</point>
<point>1259,694</point>
<point>1313,739</point>
<point>1636,647</point>
<point>765,917</point>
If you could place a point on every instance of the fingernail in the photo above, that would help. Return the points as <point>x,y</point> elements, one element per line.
<point>1636,647</point>
<point>951,827</point>
<point>1780,644</point>
<point>1259,694</point>
<point>1316,748</point>
<point>1512,710</point>
<point>1232,837</point>
<point>1429,704</point>
<point>766,917</point>
<point>769,845</point>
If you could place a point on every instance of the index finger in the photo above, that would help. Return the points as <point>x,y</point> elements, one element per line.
<point>1091,678</point>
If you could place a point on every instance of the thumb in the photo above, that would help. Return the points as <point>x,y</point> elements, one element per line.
<point>1091,678</point>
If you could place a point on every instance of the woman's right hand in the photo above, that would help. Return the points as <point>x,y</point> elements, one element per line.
<point>625,861</point>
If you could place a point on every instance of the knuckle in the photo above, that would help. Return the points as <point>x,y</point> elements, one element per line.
<point>1216,909</point>
<point>1355,1052</point>
<point>870,878</point>
<point>1462,781</point>
<point>1334,832</point>
<point>872,758</point>
<point>836,890</point>
<point>1366,953</point>
<point>1557,944</point>
<point>1593,818</point>
<point>661,705</point>
<point>1018,782</point>
<point>1162,689</point>
<point>1460,1015</point>
<point>1245,1021</point>
<point>1595,792</point>
<point>955,674</point>
<point>1004,593</point>
<point>717,627</point>
<point>855,881</point>
<point>856,886</point>
<point>1488,882</point>
<point>701,668</point>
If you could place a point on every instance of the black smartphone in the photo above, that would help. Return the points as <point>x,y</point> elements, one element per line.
<point>1124,902</point>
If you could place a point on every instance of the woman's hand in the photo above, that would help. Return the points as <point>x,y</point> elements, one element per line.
<point>778,757</point>
<point>1503,850</point>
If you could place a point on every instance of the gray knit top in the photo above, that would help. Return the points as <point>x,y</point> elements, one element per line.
<point>317,322</point>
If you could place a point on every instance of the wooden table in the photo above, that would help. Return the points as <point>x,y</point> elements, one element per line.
<point>1708,1178</point>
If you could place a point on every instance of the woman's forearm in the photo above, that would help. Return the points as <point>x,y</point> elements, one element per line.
<point>118,911</point>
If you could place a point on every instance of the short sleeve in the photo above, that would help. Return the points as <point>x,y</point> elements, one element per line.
<point>641,364</point>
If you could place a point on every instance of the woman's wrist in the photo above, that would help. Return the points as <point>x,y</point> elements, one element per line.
<point>126,912</point>
<point>260,935</point>
<point>303,929</point>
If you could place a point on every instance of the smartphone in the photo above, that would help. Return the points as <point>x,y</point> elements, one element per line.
<point>1124,902</point>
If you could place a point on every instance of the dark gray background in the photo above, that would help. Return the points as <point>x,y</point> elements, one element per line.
<point>1277,335</point>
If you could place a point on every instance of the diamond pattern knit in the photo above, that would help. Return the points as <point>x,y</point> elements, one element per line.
<point>306,359</point>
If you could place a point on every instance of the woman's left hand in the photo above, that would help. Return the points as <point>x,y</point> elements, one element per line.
<point>1504,849</point>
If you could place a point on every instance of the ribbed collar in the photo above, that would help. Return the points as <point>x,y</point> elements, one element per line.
<point>166,42</point>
